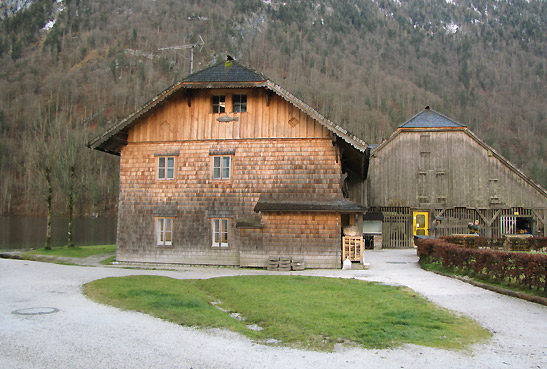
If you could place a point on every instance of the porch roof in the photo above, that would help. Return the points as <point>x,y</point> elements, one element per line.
<point>286,204</point>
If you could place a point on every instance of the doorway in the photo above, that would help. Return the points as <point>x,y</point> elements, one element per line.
<point>420,223</point>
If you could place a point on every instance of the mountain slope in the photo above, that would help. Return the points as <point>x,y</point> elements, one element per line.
<point>70,67</point>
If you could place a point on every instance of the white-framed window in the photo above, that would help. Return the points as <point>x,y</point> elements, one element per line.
<point>164,231</point>
<point>222,167</point>
<point>219,104</point>
<point>219,228</point>
<point>166,167</point>
<point>239,103</point>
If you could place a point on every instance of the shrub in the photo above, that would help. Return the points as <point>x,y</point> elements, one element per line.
<point>524,269</point>
<point>513,243</point>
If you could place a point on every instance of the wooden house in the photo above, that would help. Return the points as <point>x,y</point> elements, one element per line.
<point>434,176</point>
<point>228,168</point>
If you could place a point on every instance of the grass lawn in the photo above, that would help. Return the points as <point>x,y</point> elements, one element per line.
<point>304,312</point>
<point>76,251</point>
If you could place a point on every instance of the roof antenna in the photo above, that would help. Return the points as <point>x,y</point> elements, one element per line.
<point>200,43</point>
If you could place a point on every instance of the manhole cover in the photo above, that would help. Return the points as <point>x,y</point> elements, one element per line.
<point>396,262</point>
<point>36,311</point>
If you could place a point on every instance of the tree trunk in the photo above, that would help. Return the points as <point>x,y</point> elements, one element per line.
<point>49,207</point>
<point>70,204</point>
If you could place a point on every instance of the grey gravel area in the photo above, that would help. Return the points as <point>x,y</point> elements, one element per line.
<point>84,334</point>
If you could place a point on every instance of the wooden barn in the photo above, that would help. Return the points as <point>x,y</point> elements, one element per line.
<point>228,168</point>
<point>434,176</point>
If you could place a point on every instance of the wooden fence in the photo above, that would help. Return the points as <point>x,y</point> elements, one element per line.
<point>493,223</point>
<point>396,228</point>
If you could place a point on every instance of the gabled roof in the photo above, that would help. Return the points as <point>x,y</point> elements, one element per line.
<point>429,118</point>
<point>507,163</point>
<point>228,74</point>
<point>425,121</point>
<point>228,71</point>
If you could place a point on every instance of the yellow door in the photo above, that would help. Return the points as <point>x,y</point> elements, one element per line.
<point>420,224</point>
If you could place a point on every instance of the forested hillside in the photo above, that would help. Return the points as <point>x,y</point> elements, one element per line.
<point>69,69</point>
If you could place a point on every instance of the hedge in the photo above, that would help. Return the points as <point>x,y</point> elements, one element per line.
<point>507,244</point>
<point>518,268</point>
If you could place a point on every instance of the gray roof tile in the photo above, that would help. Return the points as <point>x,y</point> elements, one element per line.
<point>428,118</point>
<point>226,72</point>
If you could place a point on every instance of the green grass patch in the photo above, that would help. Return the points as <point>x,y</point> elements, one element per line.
<point>74,252</point>
<point>108,261</point>
<point>304,312</point>
<point>506,284</point>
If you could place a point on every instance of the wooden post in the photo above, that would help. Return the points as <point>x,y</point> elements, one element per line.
<point>360,230</point>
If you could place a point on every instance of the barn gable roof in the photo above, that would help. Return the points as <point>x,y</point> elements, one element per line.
<point>222,75</point>
<point>431,121</point>
<point>429,118</point>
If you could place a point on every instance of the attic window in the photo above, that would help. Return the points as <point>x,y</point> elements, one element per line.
<point>239,103</point>
<point>219,104</point>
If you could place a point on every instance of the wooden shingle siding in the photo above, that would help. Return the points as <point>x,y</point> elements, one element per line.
<point>314,238</point>
<point>280,151</point>
<point>282,166</point>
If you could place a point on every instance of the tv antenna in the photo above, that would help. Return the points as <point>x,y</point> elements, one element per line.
<point>200,43</point>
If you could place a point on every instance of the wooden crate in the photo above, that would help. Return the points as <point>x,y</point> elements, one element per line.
<point>352,247</point>
<point>284,264</point>
<point>273,263</point>
<point>297,264</point>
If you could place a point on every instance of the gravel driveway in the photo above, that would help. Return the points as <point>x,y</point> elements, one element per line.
<point>83,334</point>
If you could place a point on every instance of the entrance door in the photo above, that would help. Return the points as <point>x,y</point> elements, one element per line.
<point>420,223</point>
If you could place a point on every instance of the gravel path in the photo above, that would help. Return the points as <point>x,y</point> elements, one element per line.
<point>83,334</point>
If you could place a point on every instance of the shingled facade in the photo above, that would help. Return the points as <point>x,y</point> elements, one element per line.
<point>228,168</point>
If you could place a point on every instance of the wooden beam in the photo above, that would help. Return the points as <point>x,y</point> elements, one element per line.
<point>496,214</point>
<point>269,94</point>
<point>481,216</point>
<point>189,95</point>
<point>542,219</point>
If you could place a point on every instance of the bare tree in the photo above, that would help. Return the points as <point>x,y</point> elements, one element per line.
<point>67,173</point>
<point>43,160</point>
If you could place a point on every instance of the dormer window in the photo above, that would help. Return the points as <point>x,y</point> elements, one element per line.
<point>239,103</point>
<point>219,104</point>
